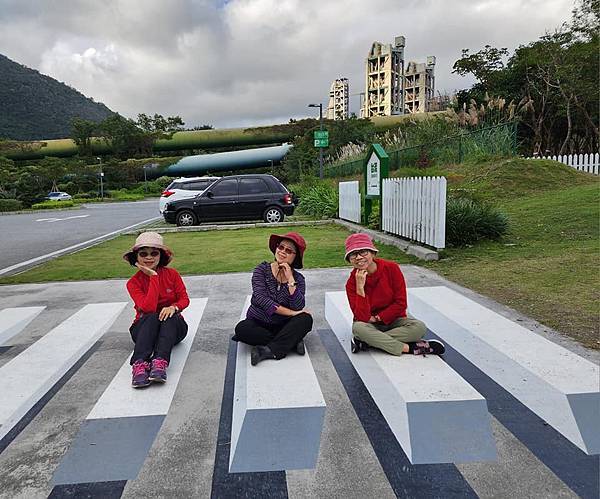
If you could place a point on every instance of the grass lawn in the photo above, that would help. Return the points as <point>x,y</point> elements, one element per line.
<point>201,253</point>
<point>548,266</point>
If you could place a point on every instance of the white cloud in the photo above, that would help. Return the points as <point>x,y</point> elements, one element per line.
<point>250,61</point>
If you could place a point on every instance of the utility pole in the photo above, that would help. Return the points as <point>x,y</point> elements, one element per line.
<point>320,106</point>
<point>101,179</point>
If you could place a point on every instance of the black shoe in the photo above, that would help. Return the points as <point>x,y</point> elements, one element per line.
<point>425,347</point>
<point>357,345</point>
<point>300,349</point>
<point>260,353</point>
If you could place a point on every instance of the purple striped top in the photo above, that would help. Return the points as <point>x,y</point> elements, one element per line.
<point>266,297</point>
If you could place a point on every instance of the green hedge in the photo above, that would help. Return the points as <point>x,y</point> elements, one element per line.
<point>10,205</point>
<point>52,205</point>
<point>469,221</point>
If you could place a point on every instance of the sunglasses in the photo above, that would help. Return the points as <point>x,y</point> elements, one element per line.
<point>286,250</point>
<point>362,252</point>
<point>146,254</point>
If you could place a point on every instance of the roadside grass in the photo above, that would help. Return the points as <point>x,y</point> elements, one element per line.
<point>547,267</point>
<point>209,252</point>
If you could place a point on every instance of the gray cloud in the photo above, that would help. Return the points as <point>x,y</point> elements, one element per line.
<point>239,62</point>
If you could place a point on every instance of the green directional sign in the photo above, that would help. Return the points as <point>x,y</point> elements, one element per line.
<point>321,138</point>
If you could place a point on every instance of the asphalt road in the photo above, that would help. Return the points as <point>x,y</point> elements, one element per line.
<point>28,236</point>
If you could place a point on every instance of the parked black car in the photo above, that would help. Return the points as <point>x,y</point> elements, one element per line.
<point>237,197</point>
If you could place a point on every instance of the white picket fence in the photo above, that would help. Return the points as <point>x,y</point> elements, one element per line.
<point>589,163</point>
<point>415,208</point>
<point>349,203</point>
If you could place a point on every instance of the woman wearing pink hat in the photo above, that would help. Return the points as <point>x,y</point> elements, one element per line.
<point>376,293</point>
<point>276,321</point>
<point>159,296</point>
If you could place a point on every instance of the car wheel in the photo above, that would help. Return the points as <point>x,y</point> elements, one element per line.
<point>273,215</point>
<point>186,218</point>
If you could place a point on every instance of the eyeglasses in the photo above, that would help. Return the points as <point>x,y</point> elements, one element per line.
<point>146,254</point>
<point>286,250</point>
<point>362,252</point>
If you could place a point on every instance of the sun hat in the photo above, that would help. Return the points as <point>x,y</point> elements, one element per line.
<point>357,242</point>
<point>297,239</point>
<point>149,240</point>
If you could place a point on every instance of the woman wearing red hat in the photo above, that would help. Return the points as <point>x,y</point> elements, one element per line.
<point>276,321</point>
<point>159,296</point>
<point>376,293</point>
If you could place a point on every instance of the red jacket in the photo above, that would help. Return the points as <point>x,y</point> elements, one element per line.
<point>151,294</point>
<point>385,294</point>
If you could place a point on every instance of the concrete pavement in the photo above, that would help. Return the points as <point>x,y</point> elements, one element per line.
<point>359,456</point>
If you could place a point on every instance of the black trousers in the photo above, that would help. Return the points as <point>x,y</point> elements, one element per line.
<point>154,338</point>
<point>280,338</point>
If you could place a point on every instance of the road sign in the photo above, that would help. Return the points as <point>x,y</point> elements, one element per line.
<point>321,138</point>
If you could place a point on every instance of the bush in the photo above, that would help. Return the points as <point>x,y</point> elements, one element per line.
<point>10,205</point>
<point>469,221</point>
<point>373,222</point>
<point>320,200</point>
<point>52,205</point>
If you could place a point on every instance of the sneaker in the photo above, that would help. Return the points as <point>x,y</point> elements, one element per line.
<point>300,348</point>
<point>424,347</point>
<point>158,372</point>
<point>260,353</point>
<point>139,378</point>
<point>357,345</point>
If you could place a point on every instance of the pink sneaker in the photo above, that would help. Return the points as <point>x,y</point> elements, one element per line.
<point>158,371</point>
<point>140,374</point>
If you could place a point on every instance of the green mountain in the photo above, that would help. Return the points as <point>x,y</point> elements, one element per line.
<point>34,106</point>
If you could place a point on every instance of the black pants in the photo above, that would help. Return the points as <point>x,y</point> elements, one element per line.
<point>154,338</point>
<point>280,338</point>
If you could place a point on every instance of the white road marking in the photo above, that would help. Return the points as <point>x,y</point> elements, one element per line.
<point>60,219</point>
<point>47,256</point>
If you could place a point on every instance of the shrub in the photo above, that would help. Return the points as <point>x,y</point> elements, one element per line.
<point>52,205</point>
<point>469,221</point>
<point>373,222</point>
<point>320,200</point>
<point>10,205</point>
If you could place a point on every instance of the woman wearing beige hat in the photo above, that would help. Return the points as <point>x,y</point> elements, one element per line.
<point>159,295</point>
<point>376,292</point>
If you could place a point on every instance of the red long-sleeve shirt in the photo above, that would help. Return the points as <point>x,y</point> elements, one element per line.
<point>385,293</point>
<point>151,294</point>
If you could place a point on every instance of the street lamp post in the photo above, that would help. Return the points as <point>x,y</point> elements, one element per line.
<point>320,106</point>
<point>101,179</point>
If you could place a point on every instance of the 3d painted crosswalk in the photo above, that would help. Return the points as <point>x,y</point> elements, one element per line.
<point>415,395</point>
<point>27,377</point>
<point>14,320</point>
<point>115,438</point>
<point>558,385</point>
<point>278,413</point>
<point>434,411</point>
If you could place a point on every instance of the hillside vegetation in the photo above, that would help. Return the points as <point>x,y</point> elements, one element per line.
<point>35,106</point>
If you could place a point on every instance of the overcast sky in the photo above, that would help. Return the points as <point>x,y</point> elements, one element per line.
<point>244,62</point>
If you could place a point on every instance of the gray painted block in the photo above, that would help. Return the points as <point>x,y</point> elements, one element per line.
<point>14,320</point>
<point>278,414</point>
<point>559,386</point>
<point>108,449</point>
<point>436,416</point>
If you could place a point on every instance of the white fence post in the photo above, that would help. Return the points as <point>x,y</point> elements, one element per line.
<point>415,208</point>
<point>349,201</point>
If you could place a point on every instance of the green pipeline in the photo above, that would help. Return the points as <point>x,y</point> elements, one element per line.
<point>195,139</point>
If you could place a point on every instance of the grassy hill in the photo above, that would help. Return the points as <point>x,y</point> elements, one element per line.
<point>35,106</point>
